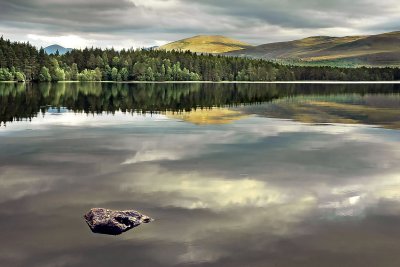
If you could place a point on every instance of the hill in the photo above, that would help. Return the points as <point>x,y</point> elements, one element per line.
<point>52,49</point>
<point>372,50</point>
<point>212,44</point>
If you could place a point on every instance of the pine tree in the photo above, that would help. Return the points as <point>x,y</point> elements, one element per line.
<point>149,74</point>
<point>74,72</point>
<point>114,74</point>
<point>3,62</point>
<point>19,77</point>
<point>92,62</point>
<point>44,75</point>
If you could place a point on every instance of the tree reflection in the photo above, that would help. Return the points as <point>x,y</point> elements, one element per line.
<point>25,101</point>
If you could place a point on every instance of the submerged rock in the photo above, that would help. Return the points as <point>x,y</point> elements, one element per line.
<point>114,222</point>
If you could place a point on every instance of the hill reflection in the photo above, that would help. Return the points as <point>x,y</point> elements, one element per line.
<point>26,101</point>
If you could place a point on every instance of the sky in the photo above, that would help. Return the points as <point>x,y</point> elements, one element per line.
<point>144,23</point>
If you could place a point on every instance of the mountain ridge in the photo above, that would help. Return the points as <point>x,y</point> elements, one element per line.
<point>52,49</point>
<point>369,50</point>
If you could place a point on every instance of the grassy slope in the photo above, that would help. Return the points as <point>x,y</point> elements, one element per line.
<point>206,44</point>
<point>374,50</point>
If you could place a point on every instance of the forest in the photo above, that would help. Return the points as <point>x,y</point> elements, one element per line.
<point>24,62</point>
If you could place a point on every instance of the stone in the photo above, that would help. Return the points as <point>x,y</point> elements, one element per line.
<point>114,222</point>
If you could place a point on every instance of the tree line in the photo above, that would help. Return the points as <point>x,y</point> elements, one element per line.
<point>23,62</point>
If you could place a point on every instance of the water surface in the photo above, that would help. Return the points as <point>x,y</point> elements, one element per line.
<point>235,175</point>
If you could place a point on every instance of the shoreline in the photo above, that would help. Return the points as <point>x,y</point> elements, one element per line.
<point>221,82</point>
<point>272,82</point>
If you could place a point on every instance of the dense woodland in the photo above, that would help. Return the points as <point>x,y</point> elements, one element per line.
<point>24,62</point>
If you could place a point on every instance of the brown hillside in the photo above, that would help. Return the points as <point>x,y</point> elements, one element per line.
<point>212,44</point>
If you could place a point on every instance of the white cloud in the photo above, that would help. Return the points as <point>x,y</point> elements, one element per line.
<point>80,119</point>
<point>68,41</point>
<point>197,191</point>
<point>152,155</point>
<point>156,4</point>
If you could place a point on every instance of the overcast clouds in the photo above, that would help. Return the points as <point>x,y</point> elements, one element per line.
<point>137,23</point>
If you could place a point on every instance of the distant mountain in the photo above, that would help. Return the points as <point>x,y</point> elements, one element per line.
<point>150,48</point>
<point>373,50</point>
<point>212,44</point>
<point>52,49</point>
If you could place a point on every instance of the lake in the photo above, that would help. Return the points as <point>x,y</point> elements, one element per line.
<point>233,174</point>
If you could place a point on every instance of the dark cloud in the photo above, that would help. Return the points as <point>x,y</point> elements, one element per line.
<point>121,22</point>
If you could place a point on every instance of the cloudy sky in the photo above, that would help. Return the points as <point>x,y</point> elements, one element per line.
<point>138,23</point>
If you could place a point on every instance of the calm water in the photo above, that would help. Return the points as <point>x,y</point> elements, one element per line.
<point>235,175</point>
